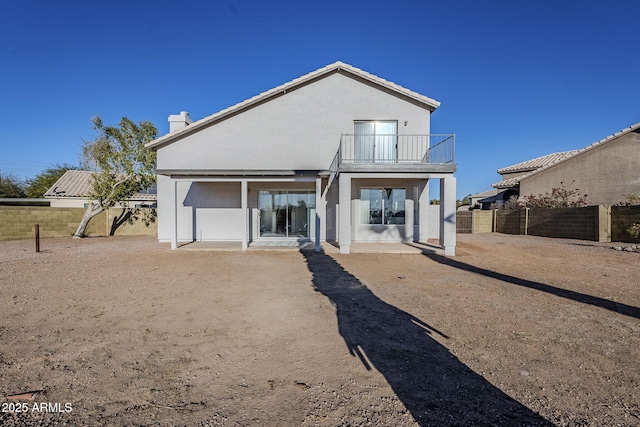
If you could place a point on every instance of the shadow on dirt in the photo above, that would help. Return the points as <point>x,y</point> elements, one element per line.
<point>431,382</point>
<point>627,310</point>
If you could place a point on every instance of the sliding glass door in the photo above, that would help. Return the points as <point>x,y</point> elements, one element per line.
<point>287,213</point>
<point>375,141</point>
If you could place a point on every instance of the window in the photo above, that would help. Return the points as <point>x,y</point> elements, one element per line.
<point>382,206</point>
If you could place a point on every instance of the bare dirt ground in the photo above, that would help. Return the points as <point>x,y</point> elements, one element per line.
<point>512,331</point>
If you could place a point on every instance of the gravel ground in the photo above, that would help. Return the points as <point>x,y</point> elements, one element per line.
<point>514,330</point>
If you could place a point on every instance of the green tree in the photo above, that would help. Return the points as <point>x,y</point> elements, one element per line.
<point>11,186</point>
<point>124,166</point>
<point>39,185</point>
<point>465,201</point>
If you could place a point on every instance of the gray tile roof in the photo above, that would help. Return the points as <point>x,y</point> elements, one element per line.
<point>320,73</point>
<point>537,163</point>
<point>77,184</point>
<point>484,194</point>
<point>508,183</point>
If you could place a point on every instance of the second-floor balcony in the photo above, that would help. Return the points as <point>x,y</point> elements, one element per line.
<point>396,152</point>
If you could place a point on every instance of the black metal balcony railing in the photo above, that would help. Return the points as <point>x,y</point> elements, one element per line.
<point>407,149</point>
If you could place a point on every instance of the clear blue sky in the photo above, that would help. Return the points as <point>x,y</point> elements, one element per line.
<point>517,79</point>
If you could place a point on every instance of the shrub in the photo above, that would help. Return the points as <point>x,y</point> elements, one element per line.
<point>560,197</point>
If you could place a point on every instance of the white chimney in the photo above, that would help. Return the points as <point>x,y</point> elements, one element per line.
<point>178,121</point>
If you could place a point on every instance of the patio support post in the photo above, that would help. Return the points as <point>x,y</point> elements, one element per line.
<point>245,214</point>
<point>320,212</point>
<point>174,211</point>
<point>423,212</point>
<point>344,197</point>
<point>448,215</point>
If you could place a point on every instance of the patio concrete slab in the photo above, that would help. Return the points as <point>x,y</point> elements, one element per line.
<point>293,245</point>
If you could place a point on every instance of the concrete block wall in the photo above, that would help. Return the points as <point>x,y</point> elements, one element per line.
<point>569,223</point>
<point>508,222</point>
<point>137,227</point>
<point>622,217</point>
<point>596,223</point>
<point>483,221</point>
<point>18,222</point>
<point>464,222</point>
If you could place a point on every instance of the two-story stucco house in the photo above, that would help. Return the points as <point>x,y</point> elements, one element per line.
<point>336,155</point>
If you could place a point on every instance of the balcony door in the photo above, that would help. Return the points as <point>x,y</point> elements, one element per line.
<point>376,141</point>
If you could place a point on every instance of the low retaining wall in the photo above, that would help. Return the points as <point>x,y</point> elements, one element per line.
<point>18,222</point>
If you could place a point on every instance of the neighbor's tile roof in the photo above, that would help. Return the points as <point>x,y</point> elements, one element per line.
<point>77,184</point>
<point>537,163</point>
<point>336,66</point>
<point>484,194</point>
<point>507,183</point>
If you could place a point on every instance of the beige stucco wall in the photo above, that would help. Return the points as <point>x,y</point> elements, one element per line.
<point>605,173</point>
<point>506,176</point>
<point>68,202</point>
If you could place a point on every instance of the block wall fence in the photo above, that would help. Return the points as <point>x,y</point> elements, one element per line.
<point>18,222</point>
<point>595,223</point>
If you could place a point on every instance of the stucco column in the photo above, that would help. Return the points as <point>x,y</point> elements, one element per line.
<point>344,198</point>
<point>245,214</point>
<point>408,224</point>
<point>174,214</point>
<point>423,212</point>
<point>320,213</point>
<point>448,215</point>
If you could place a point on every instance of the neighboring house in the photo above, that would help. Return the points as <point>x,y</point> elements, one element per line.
<point>606,171</point>
<point>338,155</point>
<point>74,186</point>
<point>483,200</point>
<point>511,176</point>
<point>10,201</point>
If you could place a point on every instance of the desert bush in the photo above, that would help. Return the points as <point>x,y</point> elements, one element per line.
<point>560,197</point>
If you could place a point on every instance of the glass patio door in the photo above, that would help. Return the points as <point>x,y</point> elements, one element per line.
<point>287,213</point>
<point>375,141</point>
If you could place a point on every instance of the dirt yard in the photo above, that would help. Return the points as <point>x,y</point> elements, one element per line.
<point>513,331</point>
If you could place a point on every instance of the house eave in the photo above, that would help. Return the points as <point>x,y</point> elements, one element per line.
<point>240,172</point>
